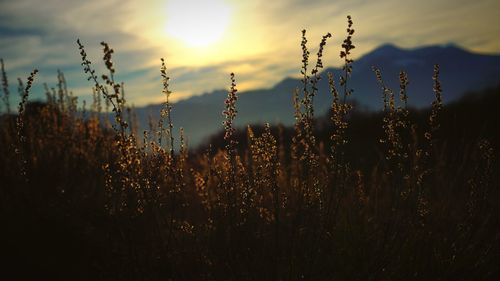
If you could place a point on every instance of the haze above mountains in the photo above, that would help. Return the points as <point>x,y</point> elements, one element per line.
<point>461,72</point>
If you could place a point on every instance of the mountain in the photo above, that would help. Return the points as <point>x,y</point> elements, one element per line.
<point>461,72</point>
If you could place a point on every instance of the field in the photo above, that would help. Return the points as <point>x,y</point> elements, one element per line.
<point>402,194</point>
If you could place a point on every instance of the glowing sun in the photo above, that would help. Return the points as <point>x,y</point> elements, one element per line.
<point>197,23</point>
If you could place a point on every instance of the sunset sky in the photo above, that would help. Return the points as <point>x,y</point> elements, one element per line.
<point>204,40</point>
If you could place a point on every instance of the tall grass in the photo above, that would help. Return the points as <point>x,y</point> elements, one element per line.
<point>109,205</point>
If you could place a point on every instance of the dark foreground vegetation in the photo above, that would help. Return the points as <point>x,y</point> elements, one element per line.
<point>396,195</point>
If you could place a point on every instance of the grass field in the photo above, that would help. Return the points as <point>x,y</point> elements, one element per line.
<point>395,195</point>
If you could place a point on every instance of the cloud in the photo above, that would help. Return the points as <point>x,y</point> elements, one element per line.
<point>44,37</point>
<point>262,44</point>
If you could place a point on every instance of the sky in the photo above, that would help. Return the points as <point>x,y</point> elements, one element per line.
<point>203,41</point>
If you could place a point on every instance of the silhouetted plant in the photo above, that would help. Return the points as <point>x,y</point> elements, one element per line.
<point>265,203</point>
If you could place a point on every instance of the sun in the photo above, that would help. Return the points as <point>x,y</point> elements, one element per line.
<point>197,23</point>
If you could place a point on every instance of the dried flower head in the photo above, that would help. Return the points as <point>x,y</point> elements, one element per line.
<point>437,105</point>
<point>230,111</point>
<point>347,46</point>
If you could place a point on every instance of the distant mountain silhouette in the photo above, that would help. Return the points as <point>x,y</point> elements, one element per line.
<point>461,72</point>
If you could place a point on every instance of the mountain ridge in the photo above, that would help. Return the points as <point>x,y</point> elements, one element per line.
<point>461,71</point>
